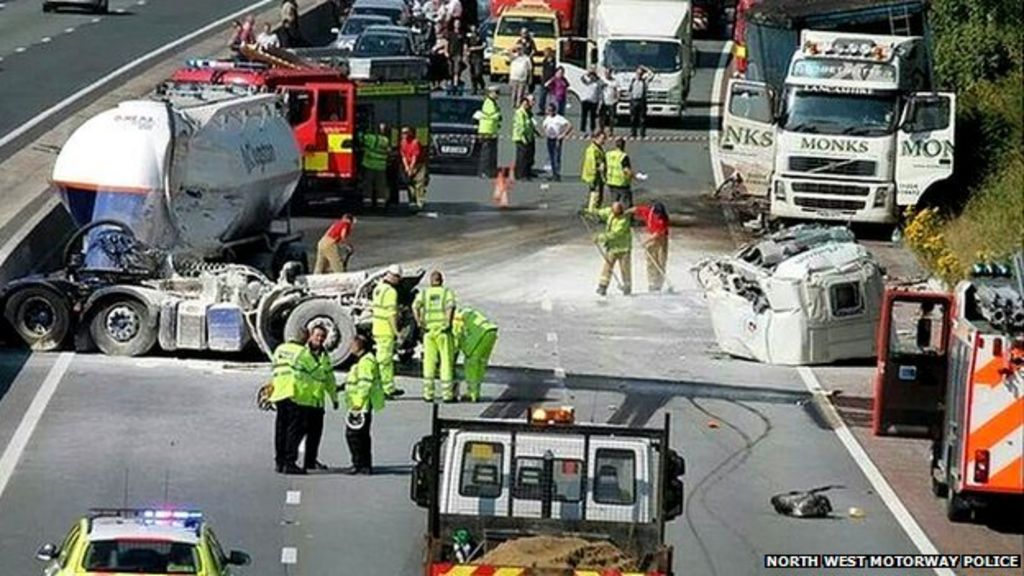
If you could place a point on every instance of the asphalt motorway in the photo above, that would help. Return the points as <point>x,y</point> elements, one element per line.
<point>185,431</point>
<point>44,58</point>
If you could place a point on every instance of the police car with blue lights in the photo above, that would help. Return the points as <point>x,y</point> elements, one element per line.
<point>140,541</point>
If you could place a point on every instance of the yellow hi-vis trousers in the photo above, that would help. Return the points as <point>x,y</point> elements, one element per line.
<point>476,363</point>
<point>438,349</point>
<point>385,354</point>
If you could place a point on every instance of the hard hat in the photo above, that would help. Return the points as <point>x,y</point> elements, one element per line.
<point>492,89</point>
<point>395,269</point>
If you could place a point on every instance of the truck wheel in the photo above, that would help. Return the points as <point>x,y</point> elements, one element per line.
<point>40,316</point>
<point>958,509</point>
<point>321,312</point>
<point>123,327</point>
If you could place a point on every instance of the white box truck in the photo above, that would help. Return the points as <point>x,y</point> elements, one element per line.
<point>625,34</point>
<point>856,135</point>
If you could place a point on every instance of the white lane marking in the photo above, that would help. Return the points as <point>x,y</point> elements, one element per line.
<point>46,39</point>
<point>31,418</point>
<point>560,373</point>
<point>552,337</point>
<point>19,49</point>
<point>289,555</point>
<point>716,103</point>
<point>878,482</point>
<point>141,3</point>
<point>45,114</point>
<point>95,20</point>
<point>120,11</point>
<point>545,304</point>
<point>69,29</point>
<point>293,497</point>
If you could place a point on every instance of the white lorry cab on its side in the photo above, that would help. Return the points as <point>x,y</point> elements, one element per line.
<point>626,34</point>
<point>855,135</point>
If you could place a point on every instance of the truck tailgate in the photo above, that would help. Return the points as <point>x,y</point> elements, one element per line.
<point>469,570</point>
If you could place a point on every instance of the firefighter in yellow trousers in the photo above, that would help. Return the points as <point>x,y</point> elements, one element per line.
<point>434,309</point>
<point>385,328</point>
<point>475,337</point>
<point>616,246</point>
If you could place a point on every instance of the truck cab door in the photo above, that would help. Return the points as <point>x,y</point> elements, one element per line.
<point>924,144</point>
<point>575,56</point>
<point>335,126</point>
<point>746,144</point>
<point>298,105</point>
<point>912,370</point>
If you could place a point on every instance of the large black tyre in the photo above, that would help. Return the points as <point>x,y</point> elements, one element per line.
<point>958,509</point>
<point>40,316</point>
<point>123,326</point>
<point>319,311</point>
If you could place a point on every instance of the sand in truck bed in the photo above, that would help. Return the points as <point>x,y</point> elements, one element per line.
<point>557,552</point>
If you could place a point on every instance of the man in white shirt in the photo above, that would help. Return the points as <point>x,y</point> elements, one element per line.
<point>520,69</point>
<point>609,101</point>
<point>556,129</point>
<point>267,38</point>
<point>590,98</point>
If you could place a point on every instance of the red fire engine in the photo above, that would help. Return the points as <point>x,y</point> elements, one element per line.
<point>328,107</point>
<point>956,375</point>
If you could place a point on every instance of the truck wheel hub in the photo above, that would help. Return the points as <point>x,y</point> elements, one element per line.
<point>38,316</point>
<point>122,323</point>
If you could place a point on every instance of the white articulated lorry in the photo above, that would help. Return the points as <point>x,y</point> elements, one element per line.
<point>625,34</point>
<point>856,134</point>
<point>172,198</point>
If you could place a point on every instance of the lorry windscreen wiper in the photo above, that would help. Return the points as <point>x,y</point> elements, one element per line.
<point>805,127</point>
<point>863,130</point>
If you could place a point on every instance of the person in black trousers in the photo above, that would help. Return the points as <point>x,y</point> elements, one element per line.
<point>638,101</point>
<point>317,362</point>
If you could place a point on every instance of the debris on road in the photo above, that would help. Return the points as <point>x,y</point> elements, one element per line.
<point>809,504</point>
<point>803,295</point>
<point>559,552</point>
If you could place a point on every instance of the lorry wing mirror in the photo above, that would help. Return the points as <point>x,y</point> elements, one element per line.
<point>420,488</point>
<point>674,467</point>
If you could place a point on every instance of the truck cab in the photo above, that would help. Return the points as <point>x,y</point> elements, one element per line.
<point>502,480</point>
<point>541,21</point>
<point>855,135</point>
<point>626,34</point>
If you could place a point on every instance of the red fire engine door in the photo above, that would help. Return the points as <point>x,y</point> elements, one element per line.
<point>321,115</point>
<point>910,378</point>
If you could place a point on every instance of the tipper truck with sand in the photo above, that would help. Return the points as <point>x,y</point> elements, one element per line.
<point>546,496</point>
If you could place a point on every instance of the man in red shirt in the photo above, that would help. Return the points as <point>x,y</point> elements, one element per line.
<point>414,167</point>
<point>333,250</point>
<point>655,217</point>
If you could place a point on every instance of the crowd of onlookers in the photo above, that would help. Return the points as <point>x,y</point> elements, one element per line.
<point>286,35</point>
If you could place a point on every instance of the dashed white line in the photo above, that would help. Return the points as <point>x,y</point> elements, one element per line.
<point>46,39</point>
<point>289,555</point>
<point>20,49</point>
<point>31,418</point>
<point>120,11</point>
<point>69,30</point>
<point>141,3</point>
<point>95,20</point>
<point>552,337</point>
<point>863,461</point>
<point>293,497</point>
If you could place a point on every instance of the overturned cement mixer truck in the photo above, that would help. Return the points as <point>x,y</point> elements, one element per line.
<point>175,200</point>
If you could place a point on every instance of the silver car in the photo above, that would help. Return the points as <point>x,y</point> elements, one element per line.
<point>95,6</point>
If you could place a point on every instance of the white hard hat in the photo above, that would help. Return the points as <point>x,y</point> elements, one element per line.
<point>395,269</point>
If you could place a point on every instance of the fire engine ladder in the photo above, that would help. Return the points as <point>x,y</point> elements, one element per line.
<point>276,57</point>
<point>899,21</point>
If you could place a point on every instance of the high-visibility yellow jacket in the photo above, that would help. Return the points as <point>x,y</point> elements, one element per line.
<point>522,126</point>
<point>593,163</point>
<point>363,389</point>
<point>285,374</point>
<point>618,234</point>
<point>616,172</point>
<point>470,326</point>
<point>320,373</point>
<point>490,118</point>
<point>375,151</point>
<point>434,307</point>
<point>385,308</point>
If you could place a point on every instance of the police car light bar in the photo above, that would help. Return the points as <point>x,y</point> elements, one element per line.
<point>551,416</point>
<point>181,517</point>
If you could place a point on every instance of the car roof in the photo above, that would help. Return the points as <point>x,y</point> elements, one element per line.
<point>445,96</point>
<point>396,4</point>
<point>386,29</point>
<point>131,529</point>
<point>369,17</point>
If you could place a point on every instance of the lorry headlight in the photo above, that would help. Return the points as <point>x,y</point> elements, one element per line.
<point>779,190</point>
<point>882,194</point>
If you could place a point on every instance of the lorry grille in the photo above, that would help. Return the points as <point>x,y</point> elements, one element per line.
<point>830,189</point>
<point>844,166</point>
<point>828,204</point>
<point>657,97</point>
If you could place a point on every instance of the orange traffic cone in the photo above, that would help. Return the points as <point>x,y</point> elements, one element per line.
<point>501,186</point>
